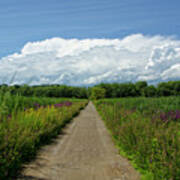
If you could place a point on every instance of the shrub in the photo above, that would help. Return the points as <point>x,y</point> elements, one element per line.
<point>97,93</point>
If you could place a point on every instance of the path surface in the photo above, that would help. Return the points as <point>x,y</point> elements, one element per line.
<point>85,151</point>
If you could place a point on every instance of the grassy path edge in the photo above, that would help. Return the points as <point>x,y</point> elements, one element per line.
<point>145,175</point>
<point>43,139</point>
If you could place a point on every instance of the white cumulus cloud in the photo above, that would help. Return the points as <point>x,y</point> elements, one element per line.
<point>90,61</point>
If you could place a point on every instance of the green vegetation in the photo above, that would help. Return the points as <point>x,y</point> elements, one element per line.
<point>97,93</point>
<point>46,91</point>
<point>141,88</point>
<point>147,130</point>
<point>27,123</point>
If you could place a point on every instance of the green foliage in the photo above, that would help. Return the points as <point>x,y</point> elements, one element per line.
<point>113,90</point>
<point>149,91</point>
<point>97,93</point>
<point>46,91</point>
<point>119,90</point>
<point>140,86</point>
<point>168,88</point>
<point>138,127</point>
<point>23,131</point>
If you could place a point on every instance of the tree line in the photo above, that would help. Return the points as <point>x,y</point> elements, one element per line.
<point>103,90</point>
<point>141,88</point>
<point>46,91</point>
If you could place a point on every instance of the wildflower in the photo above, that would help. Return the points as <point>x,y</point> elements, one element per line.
<point>150,160</point>
<point>177,114</point>
<point>163,117</point>
<point>171,115</point>
<point>58,105</point>
<point>37,106</point>
<point>67,103</point>
<point>9,116</point>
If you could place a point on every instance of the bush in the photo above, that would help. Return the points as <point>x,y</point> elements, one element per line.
<point>97,93</point>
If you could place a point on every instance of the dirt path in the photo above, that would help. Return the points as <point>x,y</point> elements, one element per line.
<point>84,152</point>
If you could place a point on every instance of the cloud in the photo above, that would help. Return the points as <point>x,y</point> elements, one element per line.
<point>90,61</point>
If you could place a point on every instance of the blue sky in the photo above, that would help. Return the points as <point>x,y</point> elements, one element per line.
<point>85,42</point>
<point>22,21</point>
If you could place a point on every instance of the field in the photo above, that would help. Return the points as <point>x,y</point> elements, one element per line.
<point>27,123</point>
<point>147,131</point>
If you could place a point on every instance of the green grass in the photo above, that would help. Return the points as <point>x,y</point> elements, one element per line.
<point>24,127</point>
<point>11,103</point>
<point>147,131</point>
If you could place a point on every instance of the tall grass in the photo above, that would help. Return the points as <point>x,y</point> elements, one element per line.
<point>10,103</point>
<point>148,131</point>
<point>26,124</point>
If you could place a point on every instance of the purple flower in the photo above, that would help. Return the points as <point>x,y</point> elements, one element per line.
<point>150,160</point>
<point>58,105</point>
<point>66,103</point>
<point>171,115</point>
<point>177,114</point>
<point>163,117</point>
<point>9,116</point>
<point>37,106</point>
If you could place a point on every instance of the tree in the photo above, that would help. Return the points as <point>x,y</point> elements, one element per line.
<point>97,93</point>
<point>177,87</point>
<point>140,85</point>
<point>164,89</point>
<point>150,91</point>
<point>108,88</point>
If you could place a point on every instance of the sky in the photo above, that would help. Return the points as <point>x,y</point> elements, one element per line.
<point>82,42</point>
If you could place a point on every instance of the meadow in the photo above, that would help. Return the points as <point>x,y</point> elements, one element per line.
<point>145,127</point>
<point>26,123</point>
<point>147,131</point>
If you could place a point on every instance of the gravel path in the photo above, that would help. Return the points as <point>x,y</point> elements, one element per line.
<point>84,151</point>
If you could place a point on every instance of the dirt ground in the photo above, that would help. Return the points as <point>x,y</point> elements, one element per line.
<point>84,151</point>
